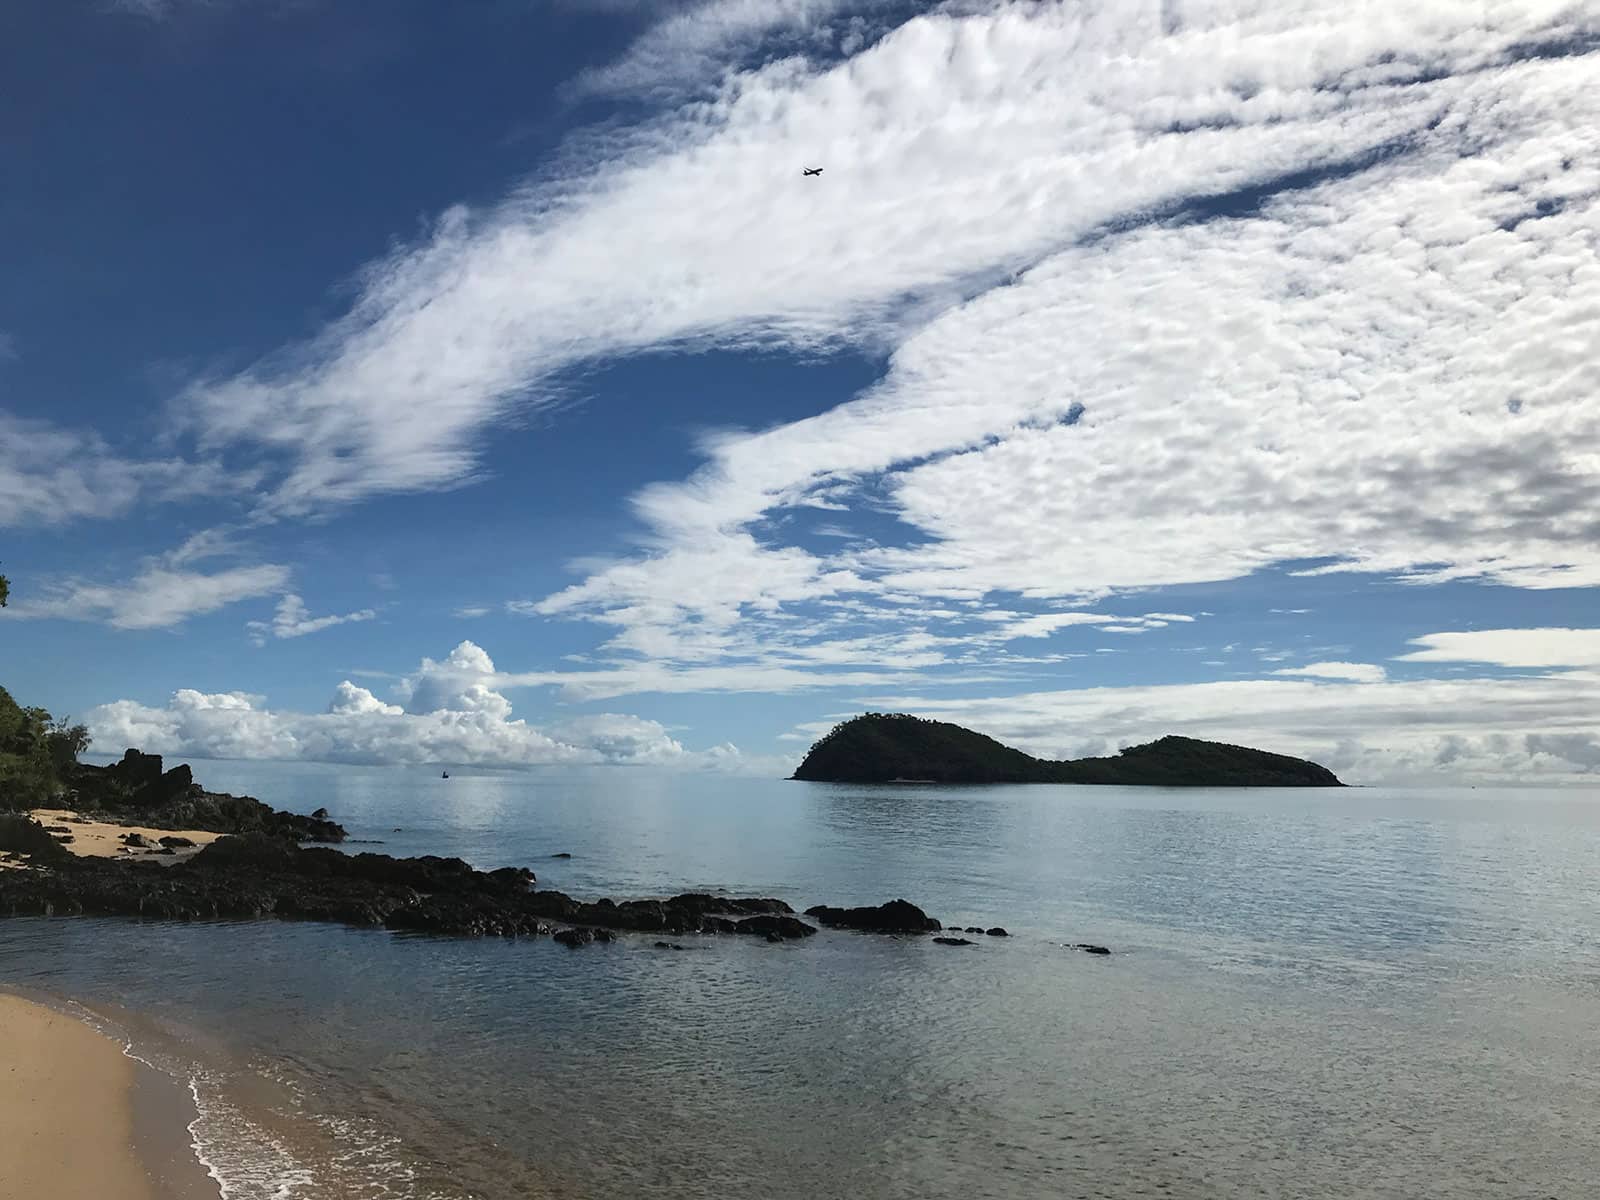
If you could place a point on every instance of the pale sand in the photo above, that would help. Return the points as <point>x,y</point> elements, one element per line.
<point>100,839</point>
<point>66,1112</point>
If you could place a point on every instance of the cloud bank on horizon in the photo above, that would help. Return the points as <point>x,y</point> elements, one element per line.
<point>1165,295</point>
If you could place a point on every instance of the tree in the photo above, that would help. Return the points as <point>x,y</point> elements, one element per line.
<point>5,590</point>
<point>37,754</point>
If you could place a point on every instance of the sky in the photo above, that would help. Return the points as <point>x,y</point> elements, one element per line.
<point>484,384</point>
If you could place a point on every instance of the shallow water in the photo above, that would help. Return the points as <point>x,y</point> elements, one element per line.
<point>1355,993</point>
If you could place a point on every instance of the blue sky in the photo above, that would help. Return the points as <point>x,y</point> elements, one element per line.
<point>484,384</point>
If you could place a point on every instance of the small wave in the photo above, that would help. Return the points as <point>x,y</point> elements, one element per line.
<point>246,1162</point>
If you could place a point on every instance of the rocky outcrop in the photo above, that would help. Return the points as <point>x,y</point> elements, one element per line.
<point>257,875</point>
<point>138,791</point>
<point>897,916</point>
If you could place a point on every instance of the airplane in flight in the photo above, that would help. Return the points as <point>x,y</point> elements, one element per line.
<point>811,171</point>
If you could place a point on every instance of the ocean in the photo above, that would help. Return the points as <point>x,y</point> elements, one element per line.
<point>1332,994</point>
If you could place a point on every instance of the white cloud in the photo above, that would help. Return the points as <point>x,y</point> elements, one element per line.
<point>51,476</point>
<point>1511,647</point>
<point>164,591</point>
<point>453,715</point>
<point>692,48</point>
<point>1354,672</point>
<point>1377,362</point>
<point>959,149</point>
<point>292,619</point>
<point>1329,378</point>
<point>155,598</point>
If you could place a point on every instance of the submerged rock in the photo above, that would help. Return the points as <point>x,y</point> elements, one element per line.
<point>954,941</point>
<point>897,916</point>
<point>997,931</point>
<point>580,936</point>
<point>775,928</point>
<point>1089,948</point>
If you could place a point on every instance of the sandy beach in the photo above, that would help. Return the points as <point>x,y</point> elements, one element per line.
<point>103,839</point>
<point>66,1109</point>
<point>81,1119</point>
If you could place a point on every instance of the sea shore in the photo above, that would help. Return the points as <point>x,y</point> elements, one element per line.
<point>81,1118</point>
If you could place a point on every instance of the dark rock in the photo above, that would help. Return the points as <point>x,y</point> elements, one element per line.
<point>775,928</point>
<point>669,946</point>
<point>56,829</point>
<point>172,841</point>
<point>563,854</point>
<point>164,850</point>
<point>573,938</point>
<point>972,929</point>
<point>954,941</point>
<point>63,838</point>
<point>997,931</point>
<point>897,916</point>
<point>320,815</point>
<point>1087,948</point>
<point>137,791</point>
<point>24,836</point>
<point>133,839</point>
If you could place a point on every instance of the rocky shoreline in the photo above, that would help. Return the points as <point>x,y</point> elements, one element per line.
<point>261,869</point>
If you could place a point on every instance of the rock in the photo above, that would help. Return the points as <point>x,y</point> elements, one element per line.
<point>971,929</point>
<point>775,928</point>
<point>563,854</point>
<point>174,842</point>
<point>1087,948</point>
<point>897,916</point>
<point>997,931</point>
<point>581,936</point>
<point>954,941</point>
<point>669,946</point>
<point>63,838</point>
<point>56,829</point>
<point>320,815</point>
<point>133,839</point>
<point>164,850</point>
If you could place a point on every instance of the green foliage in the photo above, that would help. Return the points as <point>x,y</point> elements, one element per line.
<point>37,754</point>
<point>5,590</point>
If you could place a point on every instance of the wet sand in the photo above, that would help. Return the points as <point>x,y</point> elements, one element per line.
<point>81,1118</point>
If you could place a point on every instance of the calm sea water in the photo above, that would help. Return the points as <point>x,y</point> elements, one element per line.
<point>1360,993</point>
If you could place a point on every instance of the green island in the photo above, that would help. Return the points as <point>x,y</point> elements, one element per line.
<point>899,748</point>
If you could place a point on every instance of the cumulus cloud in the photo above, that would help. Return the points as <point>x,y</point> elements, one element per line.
<point>452,715</point>
<point>292,619</point>
<point>1511,647</point>
<point>1355,672</point>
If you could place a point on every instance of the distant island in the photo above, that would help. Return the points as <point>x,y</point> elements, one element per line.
<point>897,747</point>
